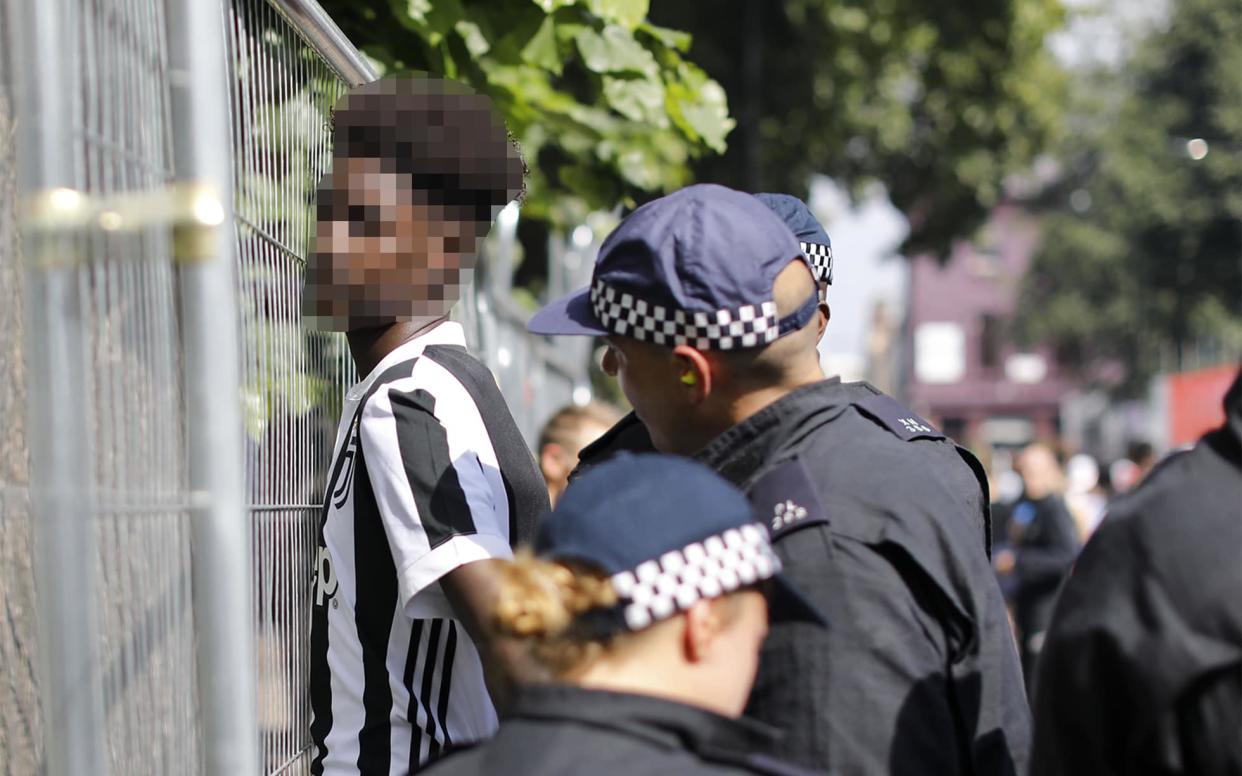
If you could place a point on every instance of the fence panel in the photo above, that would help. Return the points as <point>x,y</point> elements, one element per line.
<point>293,380</point>
<point>112,245</point>
<point>102,348</point>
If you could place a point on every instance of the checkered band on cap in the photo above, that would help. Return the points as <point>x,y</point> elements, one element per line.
<point>658,589</point>
<point>744,327</point>
<point>820,257</point>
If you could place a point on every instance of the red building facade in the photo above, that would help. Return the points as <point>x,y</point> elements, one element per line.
<point>961,367</point>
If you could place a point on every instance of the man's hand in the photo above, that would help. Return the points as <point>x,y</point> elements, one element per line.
<point>1004,562</point>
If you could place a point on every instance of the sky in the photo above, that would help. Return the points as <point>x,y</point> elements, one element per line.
<point>866,269</point>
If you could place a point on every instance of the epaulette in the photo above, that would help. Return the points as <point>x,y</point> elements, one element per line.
<point>897,418</point>
<point>784,498</point>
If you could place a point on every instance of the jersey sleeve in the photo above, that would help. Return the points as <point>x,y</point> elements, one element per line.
<point>440,504</point>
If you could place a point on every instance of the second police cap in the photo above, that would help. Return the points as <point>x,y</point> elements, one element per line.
<point>696,267</point>
<point>811,235</point>
<point>668,532</point>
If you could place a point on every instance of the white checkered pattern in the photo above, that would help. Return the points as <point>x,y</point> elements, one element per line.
<point>820,257</point>
<point>625,314</point>
<point>717,565</point>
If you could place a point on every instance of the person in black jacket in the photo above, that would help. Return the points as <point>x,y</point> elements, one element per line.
<point>1142,666</point>
<point>646,605</point>
<point>712,313</point>
<point>1042,544</point>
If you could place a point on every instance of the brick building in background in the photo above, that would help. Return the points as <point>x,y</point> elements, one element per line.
<point>960,367</point>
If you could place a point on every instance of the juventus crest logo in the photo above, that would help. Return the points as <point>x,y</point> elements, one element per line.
<point>341,494</point>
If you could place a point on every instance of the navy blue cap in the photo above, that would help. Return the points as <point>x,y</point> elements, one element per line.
<point>693,268</point>
<point>806,227</point>
<point>668,532</point>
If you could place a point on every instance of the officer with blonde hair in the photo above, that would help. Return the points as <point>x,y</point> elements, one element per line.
<point>646,603</point>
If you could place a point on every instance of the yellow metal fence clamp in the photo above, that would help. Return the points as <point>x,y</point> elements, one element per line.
<point>56,220</point>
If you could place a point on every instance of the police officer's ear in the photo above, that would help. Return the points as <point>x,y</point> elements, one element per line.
<point>825,312</point>
<point>693,373</point>
<point>703,623</point>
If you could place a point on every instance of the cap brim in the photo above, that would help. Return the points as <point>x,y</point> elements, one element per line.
<point>570,314</point>
<point>787,604</point>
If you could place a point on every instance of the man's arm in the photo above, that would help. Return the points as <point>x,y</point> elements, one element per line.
<point>472,591</point>
<point>437,502</point>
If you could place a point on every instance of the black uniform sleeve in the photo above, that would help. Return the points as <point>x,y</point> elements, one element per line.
<point>1209,724</point>
<point>1123,686</point>
<point>969,713</point>
<point>1082,669</point>
<point>627,435</point>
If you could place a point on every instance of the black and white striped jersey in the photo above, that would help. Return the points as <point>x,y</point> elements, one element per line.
<point>429,473</point>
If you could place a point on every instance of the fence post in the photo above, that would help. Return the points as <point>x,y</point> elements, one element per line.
<point>61,477</point>
<point>205,247</point>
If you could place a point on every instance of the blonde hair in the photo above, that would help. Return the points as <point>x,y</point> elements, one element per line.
<point>538,602</point>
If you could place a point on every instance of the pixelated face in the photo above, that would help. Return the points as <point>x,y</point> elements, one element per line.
<point>382,253</point>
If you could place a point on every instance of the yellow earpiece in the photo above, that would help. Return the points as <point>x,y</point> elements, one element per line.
<point>689,378</point>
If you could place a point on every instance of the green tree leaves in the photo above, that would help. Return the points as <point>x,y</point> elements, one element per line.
<point>937,101</point>
<point>628,13</point>
<point>1141,260</point>
<point>614,50</point>
<point>605,106</point>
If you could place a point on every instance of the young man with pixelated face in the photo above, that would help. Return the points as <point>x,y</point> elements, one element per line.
<point>430,479</point>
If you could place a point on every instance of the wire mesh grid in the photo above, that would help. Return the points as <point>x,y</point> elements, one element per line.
<point>293,380</point>
<point>133,388</point>
<point>130,380</point>
<point>124,285</point>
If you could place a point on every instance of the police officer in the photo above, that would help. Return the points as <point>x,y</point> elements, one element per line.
<point>646,603</point>
<point>712,314</point>
<point>1141,671</point>
<point>1042,545</point>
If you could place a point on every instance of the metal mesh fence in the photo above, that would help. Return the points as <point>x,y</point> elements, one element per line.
<point>126,382</point>
<point>133,381</point>
<point>127,375</point>
<point>292,379</point>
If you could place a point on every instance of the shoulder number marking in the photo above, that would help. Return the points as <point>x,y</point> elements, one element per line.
<point>914,426</point>
<point>786,513</point>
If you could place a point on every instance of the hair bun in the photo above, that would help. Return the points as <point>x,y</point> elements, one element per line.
<point>539,599</point>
